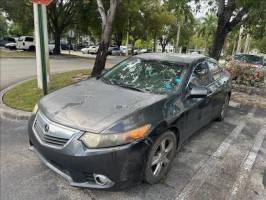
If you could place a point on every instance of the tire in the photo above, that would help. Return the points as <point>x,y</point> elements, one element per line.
<point>224,109</point>
<point>32,48</point>
<point>159,160</point>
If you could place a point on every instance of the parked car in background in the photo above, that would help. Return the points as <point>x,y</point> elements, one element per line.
<point>93,49</point>
<point>66,46</point>
<point>124,49</point>
<point>11,45</point>
<point>7,40</point>
<point>137,115</point>
<point>85,50</point>
<point>110,49</point>
<point>51,47</point>
<point>248,59</point>
<point>26,43</point>
<point>117,51</point>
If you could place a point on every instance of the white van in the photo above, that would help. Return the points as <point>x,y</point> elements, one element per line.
<point>26,43</point>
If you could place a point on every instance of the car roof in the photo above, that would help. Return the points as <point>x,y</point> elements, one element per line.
<point>248,54</point>
<point>172,57</point>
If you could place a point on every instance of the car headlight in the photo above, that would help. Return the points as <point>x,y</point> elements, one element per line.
<point>35,109</point>
<point>92,140</point>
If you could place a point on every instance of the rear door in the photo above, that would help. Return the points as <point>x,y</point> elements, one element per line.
<point>216,93</point>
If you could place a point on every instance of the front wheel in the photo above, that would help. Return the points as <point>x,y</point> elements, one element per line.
<point>160,157</point>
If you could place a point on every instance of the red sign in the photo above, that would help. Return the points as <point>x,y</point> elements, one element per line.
<point>46,2</point>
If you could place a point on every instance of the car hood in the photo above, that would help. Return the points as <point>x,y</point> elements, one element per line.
<point>93,105</point>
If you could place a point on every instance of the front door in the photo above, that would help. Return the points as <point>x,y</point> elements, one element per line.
<point>197,109</point>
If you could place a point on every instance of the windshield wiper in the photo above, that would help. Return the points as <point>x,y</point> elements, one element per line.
<point>130,87</point>
<point>114,82</point>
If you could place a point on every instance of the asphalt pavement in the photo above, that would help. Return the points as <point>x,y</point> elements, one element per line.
<point>225,160</point>
<point>13,70</point>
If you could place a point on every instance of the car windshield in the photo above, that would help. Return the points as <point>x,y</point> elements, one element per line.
<point>249,59</point>
<point>158,77</point>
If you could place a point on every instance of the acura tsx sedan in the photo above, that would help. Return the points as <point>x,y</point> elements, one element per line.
<point>125,126</point>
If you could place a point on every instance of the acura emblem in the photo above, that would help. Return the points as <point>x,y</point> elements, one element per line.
<point>46,128</point>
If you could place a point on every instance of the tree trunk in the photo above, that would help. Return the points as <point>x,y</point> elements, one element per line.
<point>100,59</point>
<point>163,48</point>
<point>239,43</point>
<point>57,38</point>
<point>154,42</point>
<point>234,46</point>
<point>205,45</point>
<point>177,37</point>
<point>219,38</point>
<point>107,23</point>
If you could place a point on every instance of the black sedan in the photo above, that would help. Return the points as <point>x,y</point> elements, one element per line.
<point>124,127</point>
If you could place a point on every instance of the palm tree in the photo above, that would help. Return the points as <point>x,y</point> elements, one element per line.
<point>207,29</point>
<point>183,14</point>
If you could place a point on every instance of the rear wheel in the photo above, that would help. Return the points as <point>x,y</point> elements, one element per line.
<point>160,157</point>
<point>32,48</point>
<point>224,108</point>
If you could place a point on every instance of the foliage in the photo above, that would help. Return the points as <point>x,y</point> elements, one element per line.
<point>27,94</point>
<point>21,13</point>
<point>3,26</point>
<point>246,75</point>
<point>207,29</point>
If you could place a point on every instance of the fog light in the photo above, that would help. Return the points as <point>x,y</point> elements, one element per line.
<point>101,179</point>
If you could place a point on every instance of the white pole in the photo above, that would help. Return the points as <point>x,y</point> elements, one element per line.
<point>38,44</point>
<point>46,41</point>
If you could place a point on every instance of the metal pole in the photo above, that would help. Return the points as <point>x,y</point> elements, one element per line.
<point>42,48</point>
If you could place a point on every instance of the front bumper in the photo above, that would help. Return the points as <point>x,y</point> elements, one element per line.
<point>123,165</point>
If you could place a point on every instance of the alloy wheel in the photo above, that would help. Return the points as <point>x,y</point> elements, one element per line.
<point>160,159</point>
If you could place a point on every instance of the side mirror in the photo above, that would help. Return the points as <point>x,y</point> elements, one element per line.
<point>198,92</point>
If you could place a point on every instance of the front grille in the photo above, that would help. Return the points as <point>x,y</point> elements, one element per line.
<point>50,133</point>
<point>89,177</point>
<point>48,138</point>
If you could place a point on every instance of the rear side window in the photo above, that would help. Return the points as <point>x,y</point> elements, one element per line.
<point>215,70</point>
<point>200,76</point>
<point>29,39</point>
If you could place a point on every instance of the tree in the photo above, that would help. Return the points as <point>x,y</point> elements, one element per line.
<point>107,17</point>
<point>61,15</point>
<point>232,13</point>
<point>183,14</point>
<point>159,22</point>
<point>20,13</point>
<point>3,26</point>
<point>207,29</point>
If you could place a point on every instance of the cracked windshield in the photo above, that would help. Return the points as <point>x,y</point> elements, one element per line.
<point>147,76</point>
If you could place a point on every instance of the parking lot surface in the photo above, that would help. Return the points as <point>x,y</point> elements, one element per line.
<point>225,160</point>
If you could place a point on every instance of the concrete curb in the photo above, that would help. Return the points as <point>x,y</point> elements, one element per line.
<point>11,113</point>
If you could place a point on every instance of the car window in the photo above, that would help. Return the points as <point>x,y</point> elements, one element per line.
<point>160,77</point>
<point>29,39</point>
<point>253,59</point>
<point>11,40</point>
<point>200,75</point>
<point>214,70</point>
